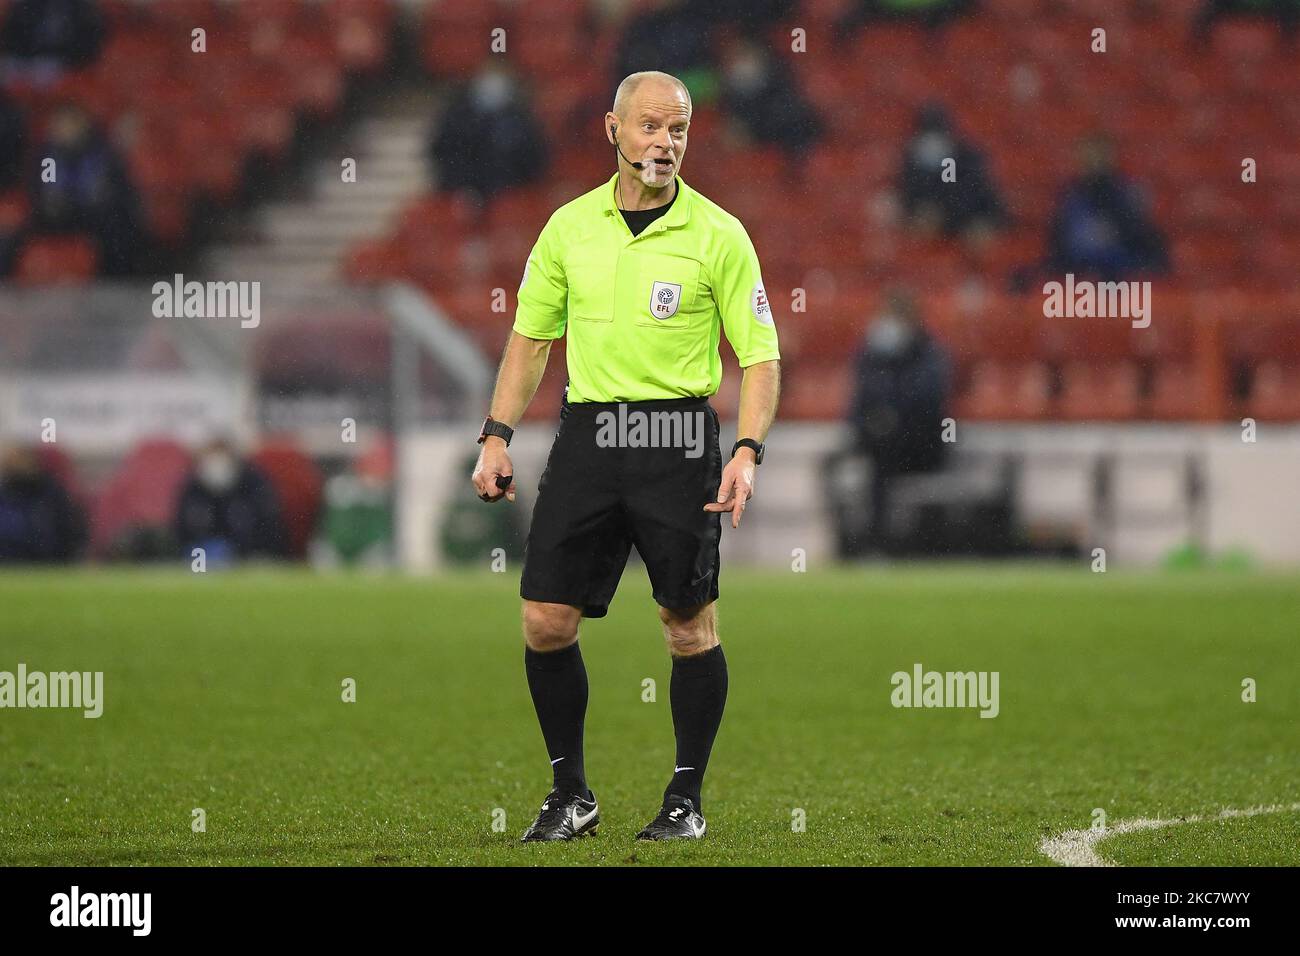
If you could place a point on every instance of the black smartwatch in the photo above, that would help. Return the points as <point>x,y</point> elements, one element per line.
<point>493,427</point>
<point>749,443</point>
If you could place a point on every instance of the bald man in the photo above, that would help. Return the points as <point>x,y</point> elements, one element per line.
<point>643,274</point>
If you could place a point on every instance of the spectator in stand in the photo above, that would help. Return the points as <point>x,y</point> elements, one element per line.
<point>228,508</point>
<point>901,384</point>
<point>40,39</point>
<point>39,521</point>
<point>357,526</point>
<point>1285,12</point>
<point>931,13</point>
<point>675,36</point>
<point>963,204</point>
<point>1101,227</point>
<point>760,94</point>
<point>13,137</point>
<point>90,190</point>
<point>488,139</point>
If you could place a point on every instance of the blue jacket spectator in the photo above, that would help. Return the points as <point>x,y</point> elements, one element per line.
<point>1100,227</point>
<point>91,191</point>
<point>39,522</point>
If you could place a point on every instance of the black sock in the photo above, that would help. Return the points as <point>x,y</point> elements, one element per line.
<point>558,683</point>
<point>698,692</point>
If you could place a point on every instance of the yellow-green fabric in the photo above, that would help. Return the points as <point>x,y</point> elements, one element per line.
<point>644,313</point>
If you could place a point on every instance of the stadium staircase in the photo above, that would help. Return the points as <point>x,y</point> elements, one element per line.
<point>304,239</point>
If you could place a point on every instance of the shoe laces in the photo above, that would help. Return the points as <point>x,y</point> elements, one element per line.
<point>553,808</point>
<point>671,813</point>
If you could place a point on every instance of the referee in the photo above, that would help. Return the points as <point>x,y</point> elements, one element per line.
<point>644,274</point>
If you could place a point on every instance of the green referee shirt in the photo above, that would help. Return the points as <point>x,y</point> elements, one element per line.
<point>644,313</point>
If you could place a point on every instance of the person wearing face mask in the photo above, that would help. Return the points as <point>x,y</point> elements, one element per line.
<point>963,203</point>
<point>228,508</point>
<point>488,138</point>
<point>900,395</point>
<point>759,94</point>
<point>39,522</point>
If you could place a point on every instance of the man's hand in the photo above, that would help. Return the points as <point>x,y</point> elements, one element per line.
<point>737,486</point>
<point>493,463</point>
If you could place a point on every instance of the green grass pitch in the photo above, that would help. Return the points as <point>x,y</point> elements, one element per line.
<point>1119,691</point>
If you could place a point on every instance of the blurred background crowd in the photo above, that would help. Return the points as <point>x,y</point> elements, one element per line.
<point>905,296</point>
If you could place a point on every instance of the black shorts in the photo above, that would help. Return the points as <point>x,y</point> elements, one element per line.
<point>599,496</point>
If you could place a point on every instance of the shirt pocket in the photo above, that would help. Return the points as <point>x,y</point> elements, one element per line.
<point>666,290</point>
<point>591,288</point>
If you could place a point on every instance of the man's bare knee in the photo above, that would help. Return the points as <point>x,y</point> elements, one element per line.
<point>550,627</point>
<point>690,631</point>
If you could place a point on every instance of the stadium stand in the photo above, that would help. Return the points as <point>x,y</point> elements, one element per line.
<point>1017,76</point>
<point>1020,81</point>
<point>193,134</point>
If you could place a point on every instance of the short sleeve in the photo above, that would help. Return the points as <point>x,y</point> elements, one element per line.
<point>543,290</point>
<point>742,300</point>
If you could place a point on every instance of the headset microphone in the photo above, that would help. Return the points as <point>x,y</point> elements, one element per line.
<point>612,132</point>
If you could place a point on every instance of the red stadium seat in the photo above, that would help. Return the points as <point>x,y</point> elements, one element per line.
<point>297,482</point>
<point>817,391</point>
<point>1004,391</point>
<point>141,494</point>
<point>1275,395</point>
<point>57,260</point>
<point>14,209</point>
<point>456,35</point>
<point>1097,391</point>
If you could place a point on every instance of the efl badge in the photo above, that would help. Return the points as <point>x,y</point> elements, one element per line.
<point>664,299</point>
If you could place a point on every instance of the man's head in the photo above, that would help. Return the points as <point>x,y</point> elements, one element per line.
<point>933,140</point>
<point>648,123</point>
<point>217,465</point>
<point>1096,154</point>
<point>20,467</point>
<point>69,126</point>
<point>897,326</point>
<point>493,87</point>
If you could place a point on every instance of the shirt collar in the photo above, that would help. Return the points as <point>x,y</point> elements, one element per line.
<point>677,214</point>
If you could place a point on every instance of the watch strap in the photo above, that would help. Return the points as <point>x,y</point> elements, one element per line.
<point>492,427</point>
<point>757,447</point>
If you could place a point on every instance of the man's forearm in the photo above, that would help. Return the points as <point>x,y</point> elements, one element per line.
<point>760,388</point>
<point>522,367</point>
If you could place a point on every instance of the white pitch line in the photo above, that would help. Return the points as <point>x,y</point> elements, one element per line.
<point>1079,847</point>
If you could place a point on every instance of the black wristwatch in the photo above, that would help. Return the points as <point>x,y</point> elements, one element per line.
<point>493,427</point>
<point>750,443</point>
